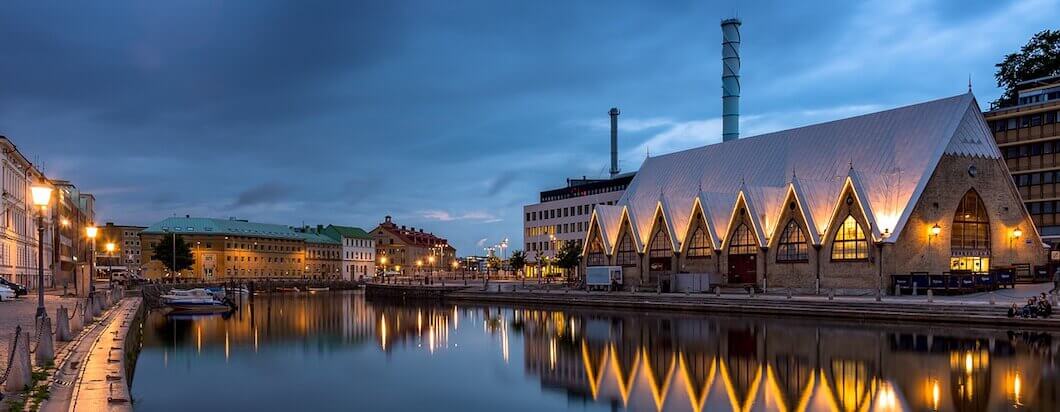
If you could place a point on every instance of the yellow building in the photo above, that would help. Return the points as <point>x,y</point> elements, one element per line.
<point>408,250</point>
<point>226,249</point>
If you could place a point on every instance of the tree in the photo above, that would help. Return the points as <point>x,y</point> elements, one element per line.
<point>164,253</point>
<point>1040,57</point>
<point>517,261</point>
<point>568,256</point>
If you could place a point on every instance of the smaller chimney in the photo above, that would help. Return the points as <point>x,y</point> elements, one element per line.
<point>614,140</point>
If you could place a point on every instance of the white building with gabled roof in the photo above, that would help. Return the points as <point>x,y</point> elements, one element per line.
<point>844,205</point>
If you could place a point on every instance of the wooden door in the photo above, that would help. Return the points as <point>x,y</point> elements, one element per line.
<point>743,269</point>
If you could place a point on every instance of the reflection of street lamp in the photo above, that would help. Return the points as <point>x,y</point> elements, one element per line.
<point>42,195</point>
<point>109,247</point>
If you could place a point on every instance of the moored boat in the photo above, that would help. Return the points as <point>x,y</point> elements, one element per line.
<point>196,300</point>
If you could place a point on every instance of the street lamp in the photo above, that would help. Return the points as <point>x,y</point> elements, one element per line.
<point>42,195</point>
<point>109,247</point>
<point>91,232</point>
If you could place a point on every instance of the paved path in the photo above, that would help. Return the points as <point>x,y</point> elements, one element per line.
<point>22,311</point>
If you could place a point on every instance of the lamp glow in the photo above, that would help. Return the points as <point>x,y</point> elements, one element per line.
<point>42,195</point>
<point>109,247</point>
<point>1017,233</point>
<point>91,232</point>
<point>935,230</point>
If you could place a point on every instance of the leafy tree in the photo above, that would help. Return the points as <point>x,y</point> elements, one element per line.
<point>1040,57</point>
<point>568,256</point>
<point>164,253</point>
<point>518,260</point>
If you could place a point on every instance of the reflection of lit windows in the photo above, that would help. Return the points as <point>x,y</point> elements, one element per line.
<point>851,380</point>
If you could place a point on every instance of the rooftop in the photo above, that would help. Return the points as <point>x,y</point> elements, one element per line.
<point>226,227</point>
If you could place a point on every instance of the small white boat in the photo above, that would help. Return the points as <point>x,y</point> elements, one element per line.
<point>315,289</point>
<point>194,300</point>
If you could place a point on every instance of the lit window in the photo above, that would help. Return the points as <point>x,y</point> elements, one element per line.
<point>792,246</point>
<point>850,242</point>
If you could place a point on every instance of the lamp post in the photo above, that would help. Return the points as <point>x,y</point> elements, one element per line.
<point>109,247</point>
<point>91,232</point>
<point>42,195</point>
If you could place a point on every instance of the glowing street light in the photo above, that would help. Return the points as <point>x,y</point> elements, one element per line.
<point>42,195</point>
<point>109,248</point>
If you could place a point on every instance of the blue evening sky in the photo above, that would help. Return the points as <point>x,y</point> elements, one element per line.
<point>448,115</point>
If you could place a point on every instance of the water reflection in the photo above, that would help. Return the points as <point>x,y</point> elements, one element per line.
<point>586,360</point>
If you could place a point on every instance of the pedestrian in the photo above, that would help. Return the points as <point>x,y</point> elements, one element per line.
<point>1056,280</point>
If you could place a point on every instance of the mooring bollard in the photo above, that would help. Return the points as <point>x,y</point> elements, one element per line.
<point>993,300</point>
<point>86,313</point>
<point>914,288</point>
<point>62,325</point>
<point>789,293</point>
<point>931,295</point>
<point>20,374</point>
<point>831,294</point>
<point>717,291</point>
<point>751,291</point>
<point>879,295</point>
<point>75,322</point>
<point>46,345</point>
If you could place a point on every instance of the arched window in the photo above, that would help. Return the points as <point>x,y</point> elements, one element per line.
<point>971,225</point>
<point>970,241</point>
<point>742,242</point>
<point>596,255</point>
<point>699,245</point>
<point>627,255</point>
<point>850,242</point>
<point>792,246</point>
<point>660,245</point>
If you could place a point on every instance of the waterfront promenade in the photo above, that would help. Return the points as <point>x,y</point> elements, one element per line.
<point>985,309</point>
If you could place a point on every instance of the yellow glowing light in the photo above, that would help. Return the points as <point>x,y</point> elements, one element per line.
<point>968,362</point>
<point>936,394</point>
<point>42,195</point>
<point>419,263</point>
<point>935,230</point>
<point>1017,233</point>
<point>109,247</point>
<point>455,264</point>
<point>91,232</point>
<point>430,259</point>
<point>64,221</point>
<point>382,260</point>
<point>1017,390</point>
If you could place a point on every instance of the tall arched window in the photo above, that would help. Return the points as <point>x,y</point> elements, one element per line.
<point>596,255</point>
<point>699,245</point>
<point>627,255</point>
<point>792,246</point>
<point>970,241</point>
<point>850,242</point>
<point>660,245</point>
<point>743,242</point>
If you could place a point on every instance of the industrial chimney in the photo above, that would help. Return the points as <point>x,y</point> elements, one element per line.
<point>614,141</point>
<point>730,79</point>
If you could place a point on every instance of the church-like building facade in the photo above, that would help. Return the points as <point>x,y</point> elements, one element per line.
<point>842,205</point>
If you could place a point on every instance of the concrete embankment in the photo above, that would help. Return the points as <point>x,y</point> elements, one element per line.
<point>890,309</point>
<point>94,373</point>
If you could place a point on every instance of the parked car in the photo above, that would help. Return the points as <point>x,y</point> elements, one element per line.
<point>6,293</point>
<point>15,287</point>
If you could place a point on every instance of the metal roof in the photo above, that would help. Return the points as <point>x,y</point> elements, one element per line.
<point>887,157</point>
<point>346,231</point>
<point>227,227</point>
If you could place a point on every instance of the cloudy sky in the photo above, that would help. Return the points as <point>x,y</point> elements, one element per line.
<point>448,115</point>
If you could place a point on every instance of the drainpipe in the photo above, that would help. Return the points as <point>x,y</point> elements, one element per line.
<point>765,268</point>
<point>879,262</point>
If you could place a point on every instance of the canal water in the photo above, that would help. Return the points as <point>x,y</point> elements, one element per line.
<point>340,351</point>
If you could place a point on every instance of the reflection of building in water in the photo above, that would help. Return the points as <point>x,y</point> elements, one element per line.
<point>648,363</point>
<point>401,326</point>
<point>335,320</point>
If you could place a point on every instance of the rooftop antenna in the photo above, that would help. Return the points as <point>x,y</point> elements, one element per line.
<point>969,82</point>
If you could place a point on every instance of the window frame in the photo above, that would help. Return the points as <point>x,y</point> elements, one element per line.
<point>786,242</point>
<point>859,239</point>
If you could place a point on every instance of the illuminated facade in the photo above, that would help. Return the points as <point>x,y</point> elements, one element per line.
<point>842,205</point>
<point>127,251</point>
<point>358,251</point>
<point>18,224</point>
<point>407,250</point>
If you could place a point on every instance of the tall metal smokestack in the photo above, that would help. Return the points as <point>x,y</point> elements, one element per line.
<point>730,79</point>
<point>614,141</point>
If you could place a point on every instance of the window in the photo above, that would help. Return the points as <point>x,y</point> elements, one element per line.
<point>742,242</point>
<point>792,246</point>
<point>850,242</point>
<point>627,255</point>
<point>971,226</point>
<point>699,246</point>
<point>596,255</point>
<point>660,245</point>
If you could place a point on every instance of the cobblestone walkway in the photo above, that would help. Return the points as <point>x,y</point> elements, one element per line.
<point>21,311</point>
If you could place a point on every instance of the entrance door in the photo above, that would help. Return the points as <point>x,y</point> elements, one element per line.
<point>743,269</point>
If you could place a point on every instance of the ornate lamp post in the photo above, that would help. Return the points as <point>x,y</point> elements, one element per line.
<point>42,195</point>
<point>91,232</point>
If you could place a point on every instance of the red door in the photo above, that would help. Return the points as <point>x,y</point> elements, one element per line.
<point>743,269</point>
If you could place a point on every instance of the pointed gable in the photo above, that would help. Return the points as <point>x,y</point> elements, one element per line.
<point>894,153</point>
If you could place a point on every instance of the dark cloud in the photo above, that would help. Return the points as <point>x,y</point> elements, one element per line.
<point>264,194</point>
